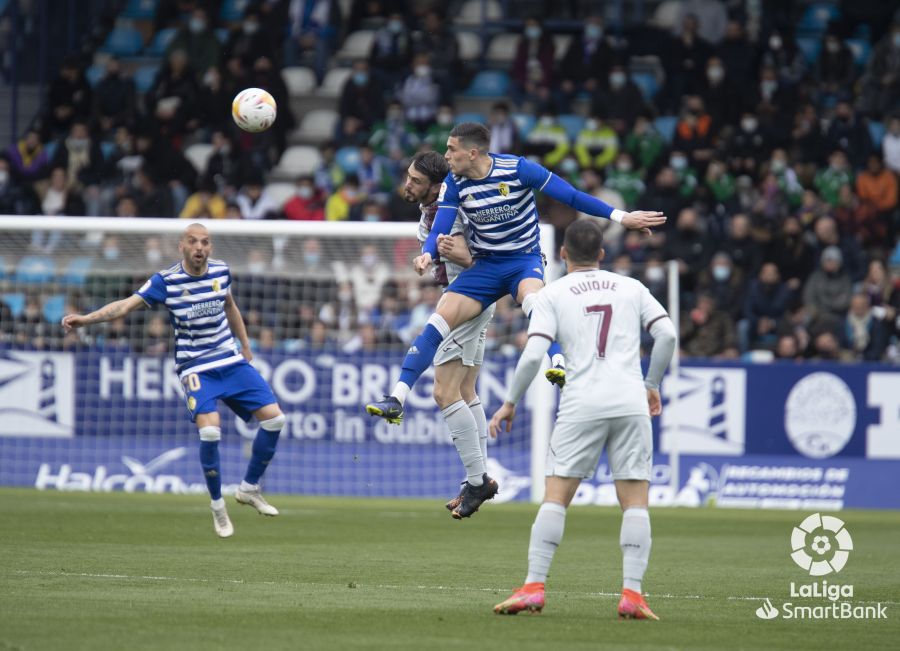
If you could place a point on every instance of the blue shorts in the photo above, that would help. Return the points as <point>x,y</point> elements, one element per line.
<point>494,276</point>
<point>239,385</point>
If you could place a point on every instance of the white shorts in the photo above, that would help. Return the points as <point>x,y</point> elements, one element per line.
<point>575,448</point>
<point>466,342</point>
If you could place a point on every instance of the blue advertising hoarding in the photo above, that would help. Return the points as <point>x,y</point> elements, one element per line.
<point>786,436</point>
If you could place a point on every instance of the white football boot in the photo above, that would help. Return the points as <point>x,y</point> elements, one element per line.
<point>222,522</point>
<point>255,499</point>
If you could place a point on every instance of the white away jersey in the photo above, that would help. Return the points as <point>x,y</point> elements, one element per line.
<point>597,317</point>
<point>196,305</point>
<point>499,209</point>
<point>444,272</point>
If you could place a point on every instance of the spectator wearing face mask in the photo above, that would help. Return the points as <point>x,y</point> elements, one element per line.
<point>394,137</point>
<point>439,42</point>
<point>685,175</point>
<point>618,99</point>
<point>420,94</point>
<point>695,132</point>
<point>881,84</point>
<point>586,61</point>
<point>372,211</point>
<point>748,146</point>
<point>689,244</point>
<point>198,40</point>
<point>346,202</point>
<point>781,53</point>
<point>392,50</point>
<point>361,98</point>
<point>532,67</point>
<point>307,204</point>
<point>366,276</point>
<point>725,283</point>
<point>437,134</point>
<point>625,180</point>
<point>596,145</point>
<point>866,330</point>
<point>718,92</point>
<point>250,40</point>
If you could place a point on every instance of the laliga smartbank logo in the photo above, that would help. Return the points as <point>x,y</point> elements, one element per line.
<point>821,545</point>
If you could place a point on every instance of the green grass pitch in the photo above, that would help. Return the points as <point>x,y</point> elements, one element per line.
<point>118,571</point>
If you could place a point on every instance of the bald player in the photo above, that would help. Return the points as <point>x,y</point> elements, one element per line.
<point>197,293</point>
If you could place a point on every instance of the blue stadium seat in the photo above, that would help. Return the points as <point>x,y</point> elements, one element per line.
<point>35,269</point>
<point>489,83</point>
<point>160,42</point>
<point>140,9</point>
<point>123,42</point>
<point>817,16</point>
<point>572,123</point>
<point>233,10</point>
<point>144,78</point>
<point>16,303</point>
<point>524,123</point>
<point>809,47</point>
<point>95,73</point>
<point>348,159</point>
<point>666,124</point>
<point>470,116</point>
<point>54,308</point>
<point>2,267</point>
<point>648,84</point>
<point>861,50</point>
<point>876,133</point>
<point>77,270</point>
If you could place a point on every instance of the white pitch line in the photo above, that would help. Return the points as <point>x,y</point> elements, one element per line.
<point>389,586</point>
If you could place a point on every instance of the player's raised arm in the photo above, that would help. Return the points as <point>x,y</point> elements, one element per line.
<point>236,323</point>
<point>448,204</point>
<point>542,179</point>
<point>108,312</point>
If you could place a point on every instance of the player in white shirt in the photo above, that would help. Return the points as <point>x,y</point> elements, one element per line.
<point>459,358</point>
<point>597,317</point>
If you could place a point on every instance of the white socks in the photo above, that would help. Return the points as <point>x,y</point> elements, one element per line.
<point>401,390</point>
<point>477,410</point>
<point>249,488</point>
<point>635,543</point>
<point>546,534</point>
<point>464,431</point>
<point>218,504</point>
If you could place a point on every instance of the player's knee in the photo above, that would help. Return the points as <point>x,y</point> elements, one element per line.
<point>444,394</point>
<point>275,424</point>
<point>468,393</point>
<point>210,433</point>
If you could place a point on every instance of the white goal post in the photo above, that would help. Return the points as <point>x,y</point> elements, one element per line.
<point>124,403</point>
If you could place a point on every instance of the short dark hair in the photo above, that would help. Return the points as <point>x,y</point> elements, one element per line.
<point>583,241</point>
<point>472,134</point>
<point>432,165</point>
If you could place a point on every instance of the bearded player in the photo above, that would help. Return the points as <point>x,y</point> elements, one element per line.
<point>495,193</point>
<point>206,319</point>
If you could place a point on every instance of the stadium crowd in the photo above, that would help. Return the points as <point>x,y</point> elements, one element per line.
<point>778,170</point>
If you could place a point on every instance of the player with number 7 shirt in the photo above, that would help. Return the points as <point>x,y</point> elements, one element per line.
<point>597,317</point>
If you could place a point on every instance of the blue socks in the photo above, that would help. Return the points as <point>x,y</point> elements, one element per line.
<point>555,349</point>
<point>421,353</point>
<point>209,459</point>
<point>263,451</point>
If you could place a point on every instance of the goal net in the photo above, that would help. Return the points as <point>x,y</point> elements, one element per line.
<point>330,310</point>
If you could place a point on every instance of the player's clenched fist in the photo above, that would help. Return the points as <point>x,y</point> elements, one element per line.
<point>421,263</point>
<point>72,321</point>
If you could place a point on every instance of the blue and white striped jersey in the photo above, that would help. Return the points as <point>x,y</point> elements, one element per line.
<point>196,305</point>
<point>500,208</point>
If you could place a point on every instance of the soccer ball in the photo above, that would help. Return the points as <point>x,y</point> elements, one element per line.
<point>254,110</point>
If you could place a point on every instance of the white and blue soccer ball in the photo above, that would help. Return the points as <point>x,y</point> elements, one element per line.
<point>254,110</point>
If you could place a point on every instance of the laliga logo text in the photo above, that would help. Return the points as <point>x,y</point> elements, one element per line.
<point>821,545</point>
